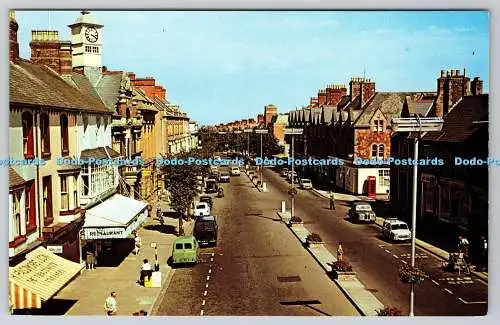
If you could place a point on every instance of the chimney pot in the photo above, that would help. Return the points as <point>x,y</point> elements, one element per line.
<point>443,74</point>
<point>457,73</point>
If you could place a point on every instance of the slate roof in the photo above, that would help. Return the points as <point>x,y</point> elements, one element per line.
<point>315,113</point>
<point>162,105</point>
<point>280,119</point>
<point>14,178</point>
<point>327,114</point>
<point>389,103</point>
<point>99,153</point>
<point>37,84</point>
<point>144,103</point>
<point>108,89</point>
<point>458,123</point>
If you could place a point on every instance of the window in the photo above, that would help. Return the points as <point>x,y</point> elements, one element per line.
<point>92,49</point>
<point>28,144</point>
<point>75,192</point>
<point>64,193</point>
<point>188,246</point>
<point>381,149</point>
<point>47,200</point>
<point>374,151</point>
<point>45,134</point>
<point>384,177</point>
<point>30,207</point>
<point>178,246</point>
<point>16,212</point>
<point>375,125</point>
<point>380,126</point>
<point>85,185</point>
<point>429,199</point>
<point>64,135</point>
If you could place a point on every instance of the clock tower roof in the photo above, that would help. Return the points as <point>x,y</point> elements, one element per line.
<point>86,18</point>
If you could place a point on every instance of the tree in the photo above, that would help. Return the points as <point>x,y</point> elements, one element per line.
<point>181,182</point>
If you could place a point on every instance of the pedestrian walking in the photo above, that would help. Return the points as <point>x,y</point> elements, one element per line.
<point>138,244</point>
<point>463,247</point>
<point>340,252</point>
<point>145,271</point>
<point>90,258</point>
<point>332,201</point>
<point>110,305</point>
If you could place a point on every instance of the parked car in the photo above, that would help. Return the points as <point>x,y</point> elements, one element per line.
<point>362,212</point>
<point>224,177</point>
<point>305,183</point>
<point>211,186</point>
<point>205,230</point>
<point>201,209</point>
<point>235,171</point>
<point>289,175</point>
<point>284,172</point>
<point>185,250</point>
<point>396,230</point>
<point>207,199</point>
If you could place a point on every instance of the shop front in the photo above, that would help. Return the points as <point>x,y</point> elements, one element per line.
<point>109,227</point>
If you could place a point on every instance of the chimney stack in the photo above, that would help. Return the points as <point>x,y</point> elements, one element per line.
<point>65,58</point>
<point>321,97</point>
<point>477,87</point>
<point>13,44</point>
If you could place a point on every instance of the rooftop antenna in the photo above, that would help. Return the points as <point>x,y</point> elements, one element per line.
<point>364,74</point>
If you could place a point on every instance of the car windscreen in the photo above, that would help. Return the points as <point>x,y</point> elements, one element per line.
<point>204,226</point>
<point>200,206</point>
<point>399,226</point>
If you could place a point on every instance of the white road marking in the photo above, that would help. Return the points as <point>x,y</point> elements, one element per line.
<point>209,271</point>
<point>387,251</point>
<point>208,277</point>
<point>404,262</point>
<point>203,302</point>
<point>435,282</point>
<point>206,285</point>
<point>395,256</point>
<point>448,290</point>
<point>205,293</point>
<point>201,313</point>
<point>211,259</point>
<point>213,254</point>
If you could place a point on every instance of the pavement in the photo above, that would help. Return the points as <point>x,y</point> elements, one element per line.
<point>436,251</point>
<point>92,287</point>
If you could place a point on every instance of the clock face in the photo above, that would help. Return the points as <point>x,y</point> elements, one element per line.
<point>91,35</point>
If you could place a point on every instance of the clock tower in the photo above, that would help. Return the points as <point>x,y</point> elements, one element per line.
<point>86,43</point>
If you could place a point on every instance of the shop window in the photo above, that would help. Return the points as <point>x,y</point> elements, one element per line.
<point>64,135</point>
<point>374,151</point>
<point>45,135</point>
<point>429,200</point>
<point>28,143</point>
<point>384,178</point>
<point>64,193</point>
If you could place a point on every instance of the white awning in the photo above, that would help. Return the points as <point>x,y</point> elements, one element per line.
<point>39,277</point>
<point>116,217</point>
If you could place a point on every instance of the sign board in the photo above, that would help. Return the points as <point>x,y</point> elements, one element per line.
<point>237,132</point>
<point>156,280</point>
<point>262,131</point>
<point>413,124</point>
<point>56,249</point>
<point>293,131</point>
<point>248,130</point>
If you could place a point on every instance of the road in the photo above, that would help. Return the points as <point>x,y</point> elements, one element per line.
<point>377,261</point>
<point>257,269</point>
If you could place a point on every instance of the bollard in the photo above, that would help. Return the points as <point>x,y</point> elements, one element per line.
<point>283,206</point>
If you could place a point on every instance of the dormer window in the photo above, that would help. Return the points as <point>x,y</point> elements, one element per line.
<point>378,125</point>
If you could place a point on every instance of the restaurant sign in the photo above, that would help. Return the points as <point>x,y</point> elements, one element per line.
<point>106,233</point>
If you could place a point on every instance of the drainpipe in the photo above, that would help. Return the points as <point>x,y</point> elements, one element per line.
<point>37,155</point>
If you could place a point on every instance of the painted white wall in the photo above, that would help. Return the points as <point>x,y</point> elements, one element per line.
<point>363,175</point>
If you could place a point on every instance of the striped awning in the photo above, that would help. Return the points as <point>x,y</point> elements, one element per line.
<point>39,278</point>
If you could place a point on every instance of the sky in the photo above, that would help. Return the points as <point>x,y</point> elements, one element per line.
<point>221,66</point>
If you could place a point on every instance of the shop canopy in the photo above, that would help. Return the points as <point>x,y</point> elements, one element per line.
<point>117,217</point>
<point>39,278</point>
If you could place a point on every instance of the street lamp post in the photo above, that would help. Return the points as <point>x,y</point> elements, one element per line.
<point>418,125</point>
<point>261,132</point>
<point>248,131</point>
<point>293,132</point>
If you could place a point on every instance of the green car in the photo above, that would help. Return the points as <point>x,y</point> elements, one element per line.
<point>185,250</point>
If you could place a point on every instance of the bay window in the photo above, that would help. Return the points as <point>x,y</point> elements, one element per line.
<point>64,192</point>
<point>28,143</point>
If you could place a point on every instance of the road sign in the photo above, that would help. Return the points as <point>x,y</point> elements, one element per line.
<point>293,131</point>
<point>417,124</point>
<point>262,131</point>
<point>56,249</point>
<point>248,130</point>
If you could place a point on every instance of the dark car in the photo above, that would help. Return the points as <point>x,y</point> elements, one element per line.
<point>211,186</point>
<point>207,199</point>
<point>205,231</point>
